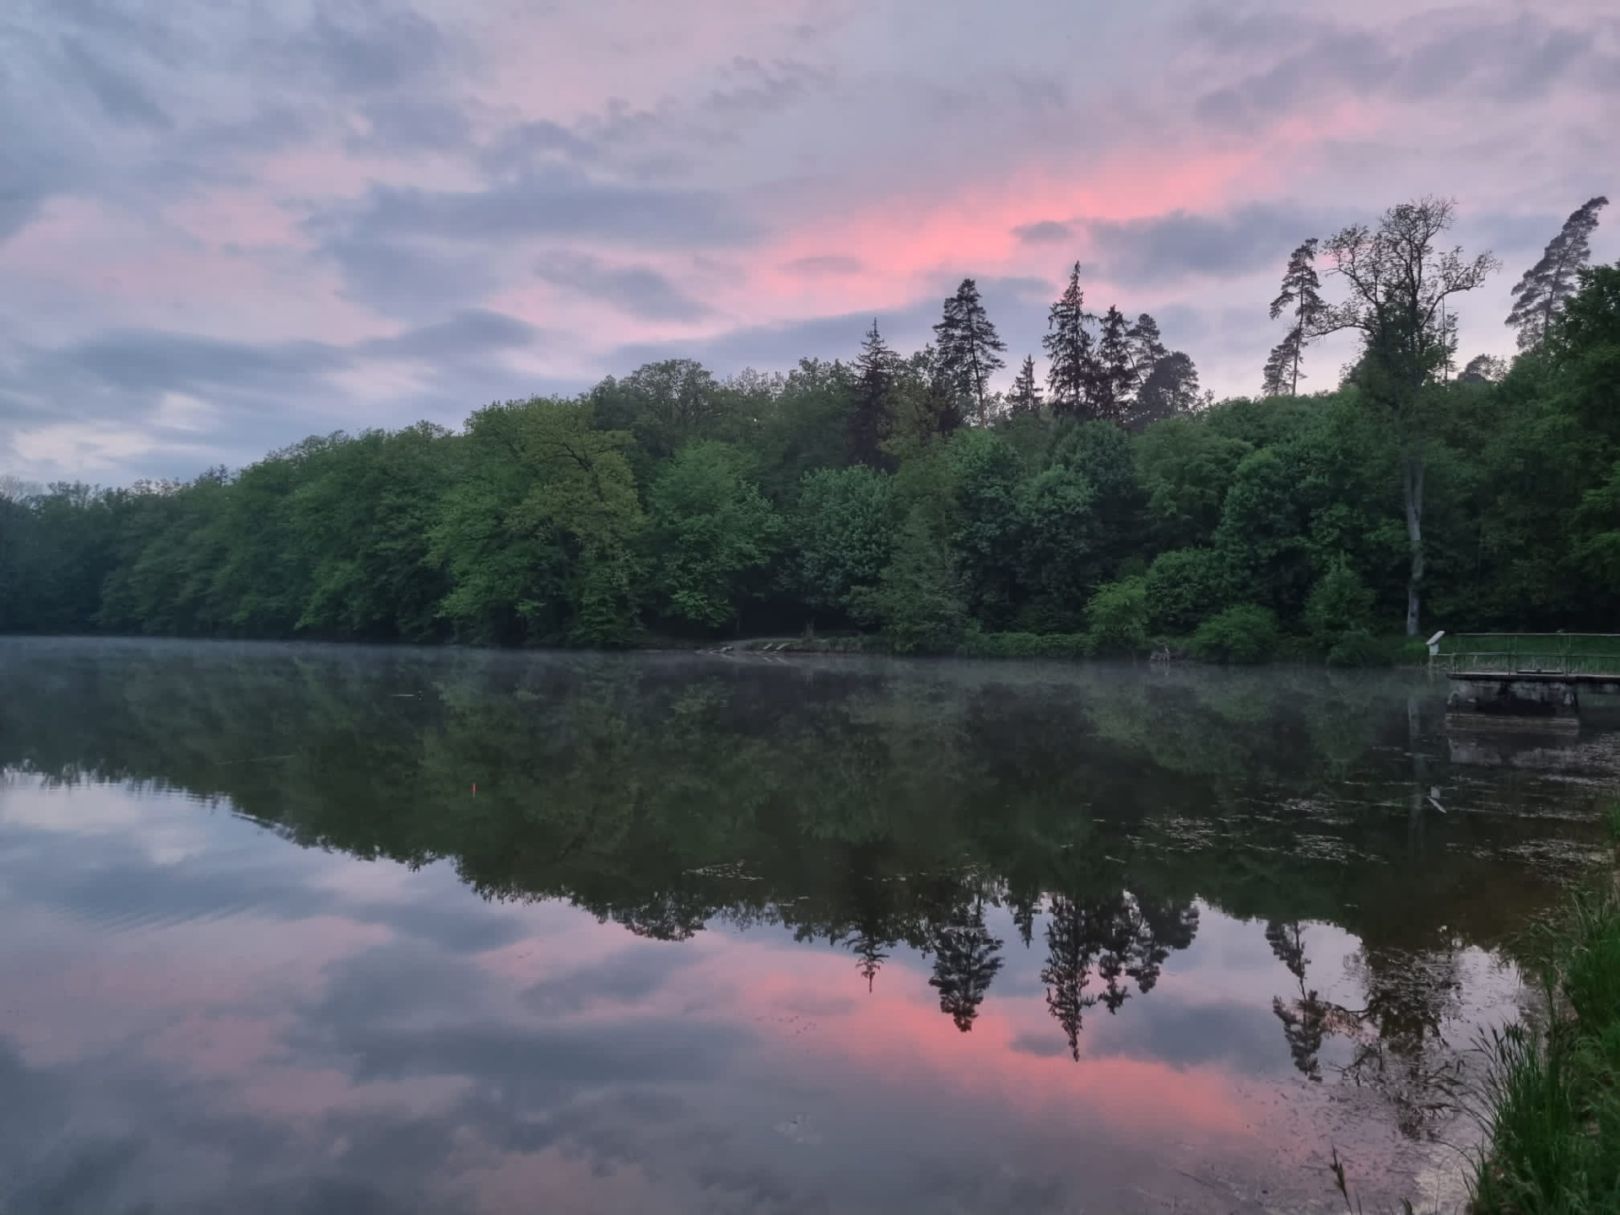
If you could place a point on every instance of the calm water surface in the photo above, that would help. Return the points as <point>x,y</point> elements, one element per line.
<point>341,930</point>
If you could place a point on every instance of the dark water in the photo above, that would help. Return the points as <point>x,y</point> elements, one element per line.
<point>718,934</point>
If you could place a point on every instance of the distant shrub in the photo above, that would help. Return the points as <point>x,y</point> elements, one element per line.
<point>1357,647</point>
<point>1024,645</point>
<point>1244,633</point>
<point>1184,587</point>
<point>1117,617</point>
<point>1340,604</point>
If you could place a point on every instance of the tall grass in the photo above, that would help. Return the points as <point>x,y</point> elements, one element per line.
<point>1552,1113</point>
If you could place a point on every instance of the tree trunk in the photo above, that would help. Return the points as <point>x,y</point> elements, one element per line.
<point>1412,469</point>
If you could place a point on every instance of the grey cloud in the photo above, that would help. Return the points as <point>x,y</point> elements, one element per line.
<point>829,263</point>
<point>1179,245</point>
<point>1499,61</point>
<point>637,290</point>
<point>402,277</point>
<point>157,360</point>
<point>120,98</point>
<point>408,123</point>
<point>358,46</point>
<point>475,331</point>
<point>1044,232</point>
<point>551,202</point>
<point>753,87</point>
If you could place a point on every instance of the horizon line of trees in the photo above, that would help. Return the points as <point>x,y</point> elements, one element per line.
<point>900,494</point>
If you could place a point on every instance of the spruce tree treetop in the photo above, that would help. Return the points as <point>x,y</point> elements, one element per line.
<point>969,347</point>
<point>1070,350</point>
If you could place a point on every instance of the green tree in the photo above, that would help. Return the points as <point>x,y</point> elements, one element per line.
<point>917,601</point>
<point>871,420</point>
<point>713,535</point>
<point>540,533</point>
<point>843,534</point>
<point>1541,292</point>
<point>1070,351</point>
<point>1397,283</point>
<point>969,348</point>
<point>1301,298</point>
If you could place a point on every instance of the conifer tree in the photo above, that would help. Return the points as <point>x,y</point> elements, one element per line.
<point>876,369</point>
<point>1114,378</point>
<point>969,348</point>
<point>1147,348</point>
<point>1026,393</point>
<point>1072,356</point>
<point>1301,298</point>
<point>1538,297</point>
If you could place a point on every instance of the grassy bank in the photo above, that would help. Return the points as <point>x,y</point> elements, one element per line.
<point>1552,1112</point>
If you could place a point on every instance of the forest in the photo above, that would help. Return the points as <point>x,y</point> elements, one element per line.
<point>902,502</point>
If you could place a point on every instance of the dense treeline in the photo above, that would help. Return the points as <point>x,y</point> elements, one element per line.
<point>900,495</point>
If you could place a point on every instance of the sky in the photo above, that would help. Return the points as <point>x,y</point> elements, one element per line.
<point>224,227</point>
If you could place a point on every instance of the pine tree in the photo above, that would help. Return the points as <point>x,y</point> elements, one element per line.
<point>1026,393</point>
<point>876,369</point>
<point>1539,296</point>
<point>969,348</point>
<point>965,962</point>
<point>1170,388</point>
<point>1114,377</point>
<point>1072,357</point>
<point>1301,296</point>
<point>1147,348</point>
<point>1282,363</point>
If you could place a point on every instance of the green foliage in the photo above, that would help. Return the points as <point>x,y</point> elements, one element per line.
<point>1552,1112</point>
<point>1117,617</point>
<point>1025,645</point>
<point>671,500</point>
<point>713,535</point>
<point>917,602</point>
<point>842,532</point>
<point>1242,633</point>
<point>1340,603</point>
<point>1184,587</point>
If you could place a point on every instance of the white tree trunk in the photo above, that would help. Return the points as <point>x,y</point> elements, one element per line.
<point>1412,469</point>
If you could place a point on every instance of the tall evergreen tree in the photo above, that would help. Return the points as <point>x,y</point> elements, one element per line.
<point>1301,298</point>
<point>1071,354</point>
<point>1147,348</point>
<point>1277,378</point>
<point>1170,388</point>
<point>876,369</point>
<point>1114,377</point>
<point>1539,296</point>
<point>1026,393</point>
<point>969,348</point>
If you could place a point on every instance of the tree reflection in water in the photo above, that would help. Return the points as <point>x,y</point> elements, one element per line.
<point>874,806</point>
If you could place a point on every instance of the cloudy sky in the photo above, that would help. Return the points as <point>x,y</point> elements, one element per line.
<point>226,226</point>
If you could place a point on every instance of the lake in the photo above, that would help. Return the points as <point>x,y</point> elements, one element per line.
<point>334,929</point>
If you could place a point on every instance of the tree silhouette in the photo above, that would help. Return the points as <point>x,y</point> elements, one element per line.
<point>1071,354</point>
<point>1069,953</point>
<point>1025,399</point>
<point>965,961</point>
<point>1113,377</point>
<point>876,368</point>
<point>1301,297</point>
<point>969,348</point>
<point>1540,294</point>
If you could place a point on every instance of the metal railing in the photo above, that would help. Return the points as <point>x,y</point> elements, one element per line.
<point>1532,659</point>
